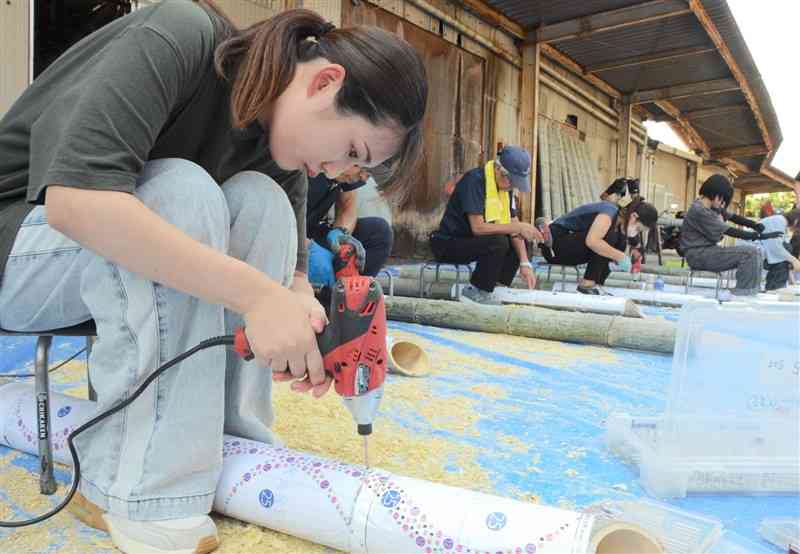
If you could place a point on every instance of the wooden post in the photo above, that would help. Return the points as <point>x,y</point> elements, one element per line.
<point>624,140</point>
<point>15,71</point>
<point>529,120</point>
<point>691,185</point>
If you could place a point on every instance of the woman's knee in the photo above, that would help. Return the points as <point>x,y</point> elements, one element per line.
<point>253,196</point>
<point>264,230</point>
<point>375,231</point>
<point>184,194</point>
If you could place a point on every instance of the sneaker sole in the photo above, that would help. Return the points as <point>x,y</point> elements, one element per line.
<point>90,514</point>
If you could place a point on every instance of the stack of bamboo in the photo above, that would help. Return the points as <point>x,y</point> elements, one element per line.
<point>569,177</point>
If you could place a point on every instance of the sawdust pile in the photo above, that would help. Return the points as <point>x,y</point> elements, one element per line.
<point>322,427</point>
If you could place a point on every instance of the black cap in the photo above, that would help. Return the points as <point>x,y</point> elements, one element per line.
<point>365,428</point>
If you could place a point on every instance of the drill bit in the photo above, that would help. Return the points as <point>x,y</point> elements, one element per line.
<point>366,453</point>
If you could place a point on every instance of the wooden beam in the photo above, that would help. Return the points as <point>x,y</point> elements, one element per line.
<point>529,119</point>
<point>582,27</point>
<point>714,86</point>
<point>738,166</point>
<point>739,151</point>
<point>705,20</point>
<point>696,142</point>
<point>575,68</point>
<point>551,83</point>
<point>721,110</point>
<point>494,18</point>
<point>553,72</point>
<point>624,140</point>
<point>650,58</point>
<point>778,176</point>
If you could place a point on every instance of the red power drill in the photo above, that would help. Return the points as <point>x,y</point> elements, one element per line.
<point>345,264</point>
<point>353,344</point>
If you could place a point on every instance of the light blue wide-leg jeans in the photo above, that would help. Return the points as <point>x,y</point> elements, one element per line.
<point>160,458</point>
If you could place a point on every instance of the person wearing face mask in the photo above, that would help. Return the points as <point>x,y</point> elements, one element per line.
<point>154,179</point>
<point>597,234</point>
<point>480,224</point>
<point>370,236</point>
<point>705,224</point>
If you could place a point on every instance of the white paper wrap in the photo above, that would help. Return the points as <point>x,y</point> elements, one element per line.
<point>611,305</point>
<point>339,505</point>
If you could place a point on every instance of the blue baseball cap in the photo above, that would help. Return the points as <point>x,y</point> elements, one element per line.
<point>517,161</point>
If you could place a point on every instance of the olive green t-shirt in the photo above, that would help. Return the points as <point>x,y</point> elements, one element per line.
<point>141,88</point>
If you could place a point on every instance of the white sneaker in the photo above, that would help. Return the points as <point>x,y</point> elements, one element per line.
<point>473,295</point>
<point>191,535</point>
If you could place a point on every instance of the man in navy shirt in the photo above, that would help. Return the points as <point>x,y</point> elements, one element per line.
<point>493,238</point>
<point>371,236</point>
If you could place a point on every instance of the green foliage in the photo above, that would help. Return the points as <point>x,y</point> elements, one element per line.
<point>781,201</point>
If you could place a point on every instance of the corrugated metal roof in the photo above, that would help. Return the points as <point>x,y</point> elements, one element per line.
<point>530,13</point>
<point>678,32</point>
<point>723,19</point>
<point>667,74</point>
<point>729,131</point>
<point>637,40</point>
<point>709,101</point>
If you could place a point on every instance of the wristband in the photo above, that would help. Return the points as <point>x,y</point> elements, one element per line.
<point>525,264</point>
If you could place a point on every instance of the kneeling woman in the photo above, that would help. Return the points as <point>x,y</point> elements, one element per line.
<point>597,234</point>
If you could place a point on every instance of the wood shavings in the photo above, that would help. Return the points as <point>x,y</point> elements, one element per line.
<point>514,443</point>
<point>324,427</point>
<point>486,390</point>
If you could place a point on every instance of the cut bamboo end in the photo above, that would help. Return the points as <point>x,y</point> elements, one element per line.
<point>632,309</point>
<point>408,359</point>
<point>624,538</point>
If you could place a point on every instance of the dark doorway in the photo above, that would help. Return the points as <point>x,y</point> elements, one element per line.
<point>61,23</point>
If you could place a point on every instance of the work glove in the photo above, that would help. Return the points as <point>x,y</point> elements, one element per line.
<point>741,220</point>
<point>624,265</point>
<point>337,237</point>
<point>770,235</point>
<point>320,265</point>
<point>737,233</point>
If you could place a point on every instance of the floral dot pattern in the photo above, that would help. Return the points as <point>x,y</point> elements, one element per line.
<point>410,518</point>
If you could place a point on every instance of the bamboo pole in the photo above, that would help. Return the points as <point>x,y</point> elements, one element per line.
<point>446,290</point>
<point>544,162</point>
<point>614,331</point>
<point>670,276</point>
<point>556,182</point>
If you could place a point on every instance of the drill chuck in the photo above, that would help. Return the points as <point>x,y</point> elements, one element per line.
<point>365,428</point>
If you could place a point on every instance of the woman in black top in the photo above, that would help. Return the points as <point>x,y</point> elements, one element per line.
<point>597,234</point>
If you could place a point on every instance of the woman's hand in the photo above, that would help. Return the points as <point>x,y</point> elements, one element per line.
<point>301,285</point>
<point>282,330</point>
<point>530,277</point>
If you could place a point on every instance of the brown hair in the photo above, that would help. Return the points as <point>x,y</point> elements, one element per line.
<point>385,78</point>
<point>648,214</point>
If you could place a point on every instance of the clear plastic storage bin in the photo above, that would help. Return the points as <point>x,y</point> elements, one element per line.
<point>732,423</point>
<point>782,532</point>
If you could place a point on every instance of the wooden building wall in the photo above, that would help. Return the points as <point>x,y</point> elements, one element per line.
<point>672,178</point>
<point>475,84</point>
<point>16,55</point>
<point>455,128</point>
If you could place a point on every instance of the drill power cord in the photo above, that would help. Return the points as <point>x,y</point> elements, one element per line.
<point>51,370</point>
<point>224,340</point>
